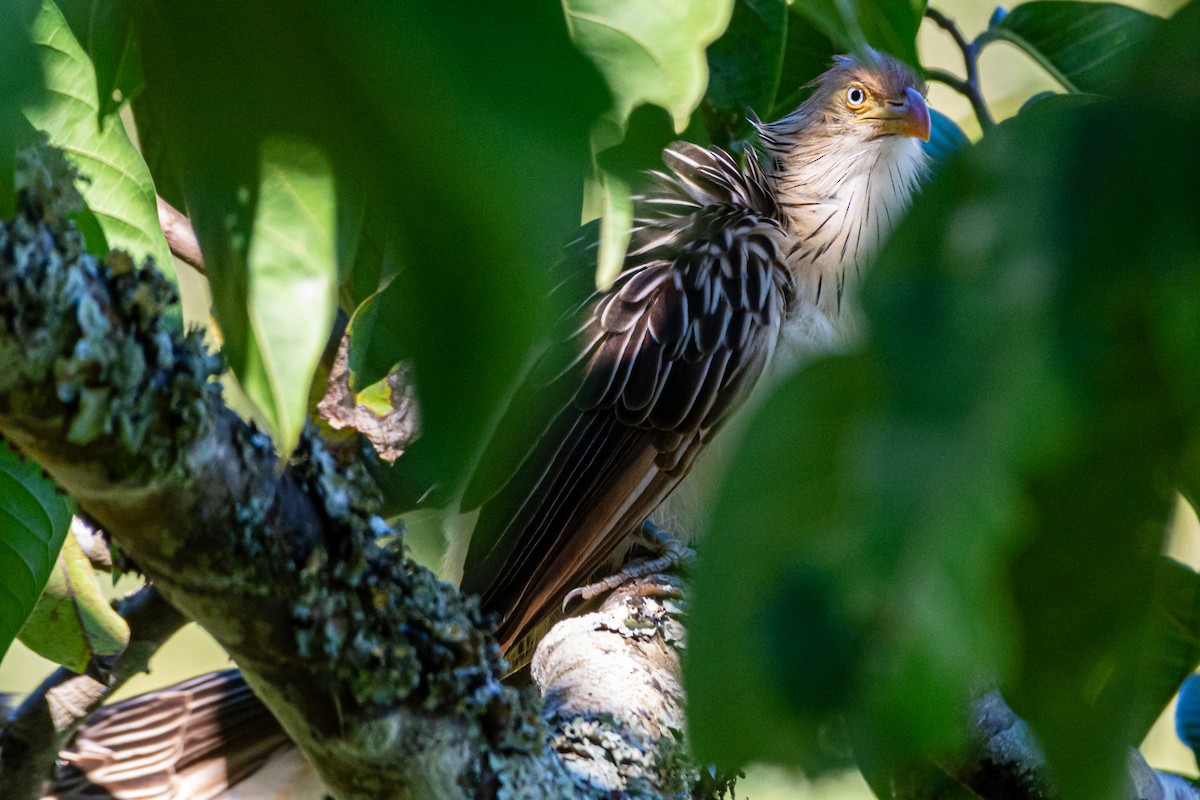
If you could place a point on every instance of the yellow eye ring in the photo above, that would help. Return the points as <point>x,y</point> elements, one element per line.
<point>856,97</point>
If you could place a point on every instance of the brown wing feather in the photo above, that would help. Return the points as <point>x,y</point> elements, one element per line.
<point>194,740</point>
<point>644,380</point>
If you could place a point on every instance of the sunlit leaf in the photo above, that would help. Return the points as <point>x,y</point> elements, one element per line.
<point>649,52</point>
<point>466,133</point>
<point>34,519</point>
<point>1083,45</point>
<point>291,284</point>
<point>650,55</point>
<point>117,185</point>
<point>615,224</point>
<point>73,621</point>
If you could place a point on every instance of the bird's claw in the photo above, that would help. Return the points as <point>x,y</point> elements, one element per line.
<point>674,554</point>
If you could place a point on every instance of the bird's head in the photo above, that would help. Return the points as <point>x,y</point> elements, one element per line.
<point>845,164</point>
<point>870,98</point>
<point>865,114</point>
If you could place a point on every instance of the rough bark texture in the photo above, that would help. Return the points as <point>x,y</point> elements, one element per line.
<point>386,677</point>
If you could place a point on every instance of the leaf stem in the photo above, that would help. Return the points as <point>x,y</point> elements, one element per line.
<point>968,88</point>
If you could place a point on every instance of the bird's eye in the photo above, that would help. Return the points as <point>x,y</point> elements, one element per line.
<point>855,96</point>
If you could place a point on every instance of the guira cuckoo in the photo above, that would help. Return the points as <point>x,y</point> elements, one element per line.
<point>730,268</point>
<point>727,265</point>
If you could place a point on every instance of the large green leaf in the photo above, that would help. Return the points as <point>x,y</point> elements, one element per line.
<point>649,52</point>
<point>465,132</point>
<point>34,519</point>
<point>291,287</point>
<point>73,621</point>
<point>744,66</point>
<point>888,25</point>
<point>1083,45</point>
<point>116,183</point>
<point>807,53</point>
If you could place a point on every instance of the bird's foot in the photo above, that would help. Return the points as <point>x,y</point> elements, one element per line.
<point>672,555</point>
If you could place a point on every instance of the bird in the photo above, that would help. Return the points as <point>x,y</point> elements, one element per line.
<point>205,738</point>
<point>732,270</point>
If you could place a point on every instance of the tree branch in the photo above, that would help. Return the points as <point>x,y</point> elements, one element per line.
<point>38,729</point>
<point>385,677</point>
<point>1003,761</point>
<point>968,88</point>
<point>181,238</point>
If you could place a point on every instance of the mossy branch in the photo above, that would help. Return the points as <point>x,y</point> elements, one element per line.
<point>386,677</point>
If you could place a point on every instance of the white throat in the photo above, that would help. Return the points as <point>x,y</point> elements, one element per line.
<point>841,205</point>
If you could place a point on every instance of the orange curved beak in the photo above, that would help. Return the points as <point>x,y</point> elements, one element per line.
<point>909,117</point>
<point>915,115</point>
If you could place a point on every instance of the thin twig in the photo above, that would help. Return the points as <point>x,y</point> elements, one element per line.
<point>181,237</point>
<point>970,53</point>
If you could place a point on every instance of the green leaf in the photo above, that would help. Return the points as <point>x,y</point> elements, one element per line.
<point>368,262</point>
<point>744,67</point>
<point>649,53</point>
<point>106,30</point>
<point>982,492</point>
<point>116,185</point>
<point>372,356</point>
<point>291,288</point>
<point>615,224</point>
<point>154,142</point>
<point>34,519</point>
<point>21,85</point>
<point>113,48</point>
<point>807,53</point>
<point>73,621</point>
<point>467,133</point>
<point>888,25</point>
<point>1085,46</point>
<point>1175,648</point>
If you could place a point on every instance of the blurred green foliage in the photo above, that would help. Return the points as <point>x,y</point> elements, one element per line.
<point>980,494</point>
<point>984,490</point>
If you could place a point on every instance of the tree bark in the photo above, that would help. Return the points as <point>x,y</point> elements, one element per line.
<point>384,676</point>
